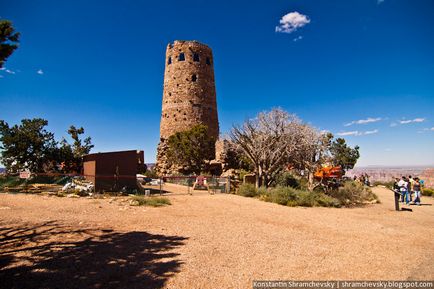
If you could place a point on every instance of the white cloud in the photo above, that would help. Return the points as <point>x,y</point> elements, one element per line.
<point>345,133</point>
<point>364,121</point>
<point>40,72</point>
<point>407,121</point>
<point>393,124</point>
<point>10,71</point>
<point>357,133</point>
<point>2,68</point>
<point>370,132</point>
<point>426,129</point>
<point>298,38</point>
<point>291,22</point>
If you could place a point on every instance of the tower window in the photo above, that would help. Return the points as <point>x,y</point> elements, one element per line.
<point>169,61</point>
<point>181,56</point>
<point>208,61</point>
<point>194,77</point>
<point>196,57</point>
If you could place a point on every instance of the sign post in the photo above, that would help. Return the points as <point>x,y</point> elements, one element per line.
<point>24,175</point>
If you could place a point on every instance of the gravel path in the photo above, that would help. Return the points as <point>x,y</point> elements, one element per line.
<point>207,241</point>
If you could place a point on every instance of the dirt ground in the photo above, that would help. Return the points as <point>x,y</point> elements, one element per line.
<point>207,241</point>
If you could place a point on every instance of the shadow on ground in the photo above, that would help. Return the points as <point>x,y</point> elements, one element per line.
<point>50,255</point>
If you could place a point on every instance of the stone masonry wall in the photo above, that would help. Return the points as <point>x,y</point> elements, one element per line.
<point>189,95</point>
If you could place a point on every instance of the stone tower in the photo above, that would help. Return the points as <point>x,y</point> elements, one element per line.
<point>189,95</point>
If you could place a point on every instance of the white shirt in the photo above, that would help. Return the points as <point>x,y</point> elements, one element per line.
<point>402,185</point>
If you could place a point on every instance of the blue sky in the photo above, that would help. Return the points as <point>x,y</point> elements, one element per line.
<point>363,68</point>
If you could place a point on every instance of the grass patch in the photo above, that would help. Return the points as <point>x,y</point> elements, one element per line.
<point>149,201</point>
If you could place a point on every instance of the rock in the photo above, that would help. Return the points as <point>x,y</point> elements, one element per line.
<point>134,203</point>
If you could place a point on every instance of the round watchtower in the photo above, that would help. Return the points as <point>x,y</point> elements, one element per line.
<point>189,96</point>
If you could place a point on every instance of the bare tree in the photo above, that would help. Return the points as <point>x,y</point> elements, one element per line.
<point>311,151</point>
<point>276,140</point>
<point>267,141</point>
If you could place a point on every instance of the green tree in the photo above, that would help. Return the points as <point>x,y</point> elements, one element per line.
<point>27,146</point>
<point>70,157</point>
<point>79,147</point>
<point>30,146</point>
<point>188,150</point>
<point>8,40</point>
<point>342,155</point>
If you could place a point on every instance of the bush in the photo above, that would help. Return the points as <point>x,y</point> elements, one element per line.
<point>286,179</point>
<point>151,174</point>
<point>288,196</point>
<point>314,199</point>
<point>10,181</point>
<point>280,195</point>
<point>247,190</point>
<point>428,192</point>
<point>323,200</point>
<point>353,193</point>
<point>149,201</point>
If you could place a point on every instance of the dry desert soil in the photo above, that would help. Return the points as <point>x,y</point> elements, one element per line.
<point>207,241</point>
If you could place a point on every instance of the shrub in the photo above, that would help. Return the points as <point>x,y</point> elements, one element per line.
<point>323,200</point>
<point>428,192</point>
<point>10,181</point>
<point>281,195</point>
<point>262,192</point>
<point>247,190</point>
<point>353,193</point>
<point>288,196</point>
<point>286,179</point>
<point>305,199</point>
<point>316,199</point>
<point>149,201</point>
<point>151,174</point>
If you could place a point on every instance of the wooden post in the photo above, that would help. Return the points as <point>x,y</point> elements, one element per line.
<point>397,195</point>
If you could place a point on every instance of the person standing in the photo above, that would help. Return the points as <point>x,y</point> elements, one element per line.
<point>397,193</point>
<point>396,186</point>
<point>417,191</point>
<point>410,187</point>
<point>403,184</point>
